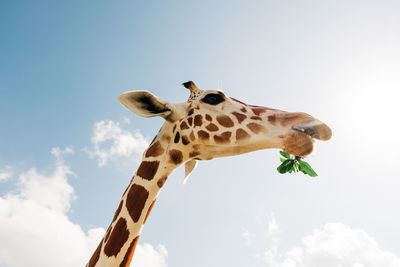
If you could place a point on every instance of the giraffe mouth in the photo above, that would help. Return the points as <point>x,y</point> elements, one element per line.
<point>300,141</point>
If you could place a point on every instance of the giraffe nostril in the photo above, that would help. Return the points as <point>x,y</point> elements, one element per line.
<point>307,131</point>
<point>316,129</point>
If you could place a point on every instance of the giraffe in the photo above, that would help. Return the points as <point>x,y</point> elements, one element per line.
<point>209,125</point>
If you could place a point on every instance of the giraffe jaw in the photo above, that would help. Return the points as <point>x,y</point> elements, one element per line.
<point>300,142</point>
<point>210,152</point>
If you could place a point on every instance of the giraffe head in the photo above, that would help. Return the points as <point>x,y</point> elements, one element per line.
<point>211,124</point>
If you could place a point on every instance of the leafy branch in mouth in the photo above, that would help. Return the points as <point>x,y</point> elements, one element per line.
<point>294,164</point>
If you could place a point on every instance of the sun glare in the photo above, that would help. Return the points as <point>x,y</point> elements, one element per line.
<point>371,106</point>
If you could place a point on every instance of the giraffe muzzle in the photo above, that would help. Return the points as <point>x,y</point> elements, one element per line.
<point>302,122</point>
<point>299,141</point>
<point>316,129</point>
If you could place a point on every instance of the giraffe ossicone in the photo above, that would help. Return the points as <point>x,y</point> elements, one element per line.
<point>208,125</point>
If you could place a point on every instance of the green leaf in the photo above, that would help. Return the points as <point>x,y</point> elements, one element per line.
<point>292,169</point>
<point>282,159</point>
<point>286,155</point>
<point>295,166</point>
<point>306,168</point>
<point>285,166</point>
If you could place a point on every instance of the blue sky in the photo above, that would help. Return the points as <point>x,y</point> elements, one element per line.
<point>63,64</point>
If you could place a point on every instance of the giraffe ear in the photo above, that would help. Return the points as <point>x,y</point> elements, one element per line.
<point>146,104</point>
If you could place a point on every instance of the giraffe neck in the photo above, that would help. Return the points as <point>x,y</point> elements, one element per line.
<point>118,245</point>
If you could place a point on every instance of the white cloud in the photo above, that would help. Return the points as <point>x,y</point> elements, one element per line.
<point>246,236</point>
<point>6,173</point>
<point>110,141</point>
<point>273,227</point>
<point>126,120</point>
<point>336,245</point>
<point>147,256</point>
<point>35,229</point>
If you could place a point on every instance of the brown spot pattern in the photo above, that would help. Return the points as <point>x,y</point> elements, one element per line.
<point>149,210</point>
<point>184,126</point>
<point>136,200</point>
<point>162,181</point>
<point>239,116</point>
<point>129,254</point>
<point>212,127</point>
<point>225,121</point>
<point>222,138</point>
<point>192,137</point>
<point>256,118</point>
<point>243,109</point>
<point>148,169</point>
<point>154,150</point>
<point>166,138</point>
<point>177,136</point>
<point>256,128</point>
<point>241,134</point>
<point>208,117</point>
<point>198,120</point>
<point>108,233</point>
<point>272,119</point>
<point>173,129</point>
<point>118,211</point>
<point>191,112</point>
<point>259,110</point>
<point>175,156</point>
<point>190,121</point>
<point>119,236</point>
<point>194,154</point>
<point>185,140</point>
<point>203,135</point>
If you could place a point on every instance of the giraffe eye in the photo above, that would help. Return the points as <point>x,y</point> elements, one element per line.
<point>213,99</point>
